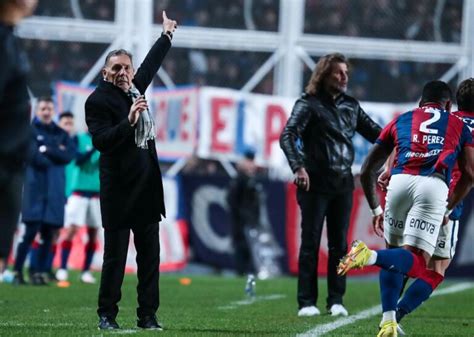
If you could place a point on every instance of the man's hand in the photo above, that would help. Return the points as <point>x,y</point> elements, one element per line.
<point>136,109</point>
<point>383,180</point>
<point>168,24</point>
<point>302,179</point>
<point>377,222</point>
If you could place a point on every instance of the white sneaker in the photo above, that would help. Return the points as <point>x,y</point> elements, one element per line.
<point>337,310</point>
<point>309,311</point>
<point>8,276</point>
<point>87,277</point>
<point>62,275</point>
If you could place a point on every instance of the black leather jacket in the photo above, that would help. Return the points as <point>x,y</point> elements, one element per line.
<point>318,136</point>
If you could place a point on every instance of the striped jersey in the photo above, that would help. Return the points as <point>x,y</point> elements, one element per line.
<point>427,140</point>
<point>468,119</point>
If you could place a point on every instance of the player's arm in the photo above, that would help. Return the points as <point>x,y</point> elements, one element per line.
<point>464,185</point>
<point>368,178</point>
<point>384,177</point>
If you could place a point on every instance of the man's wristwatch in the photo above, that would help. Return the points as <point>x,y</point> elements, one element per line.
<point>168,33</point>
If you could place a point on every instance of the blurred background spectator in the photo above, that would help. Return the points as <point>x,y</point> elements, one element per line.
<point>82,9</point>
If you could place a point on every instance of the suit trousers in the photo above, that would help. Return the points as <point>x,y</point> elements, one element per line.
<point>10,205</point>
<point>147,245</point>
<point>315,208</point>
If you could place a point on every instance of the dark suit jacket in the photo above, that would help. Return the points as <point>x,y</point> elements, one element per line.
<point>131,190</point>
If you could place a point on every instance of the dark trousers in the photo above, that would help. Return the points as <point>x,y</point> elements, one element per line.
<point>315,207</point>
<point>31,229</point>
<point>10,205</point>
<point>147,244</point>
<point>242,254</point>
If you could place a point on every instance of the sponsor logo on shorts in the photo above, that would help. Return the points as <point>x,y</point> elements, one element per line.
<point>422,225</point>
<point>441,243</point>
<point>394,222</point>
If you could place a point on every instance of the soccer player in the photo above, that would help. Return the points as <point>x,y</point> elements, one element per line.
<point>83,207</point>
<point>427,141</point>
<point>417,293</point>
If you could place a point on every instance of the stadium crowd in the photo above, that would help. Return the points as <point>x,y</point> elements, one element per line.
<point>401,19</point>
<point>86,9</point>
<point>70,61</point>
<point>402,81</point>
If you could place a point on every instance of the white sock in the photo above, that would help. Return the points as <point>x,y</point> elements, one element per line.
<point>372,258</point>
<point>388,316</point>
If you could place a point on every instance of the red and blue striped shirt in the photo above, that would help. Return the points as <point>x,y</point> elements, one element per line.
<point>427,140</point>
<point>468,119</point>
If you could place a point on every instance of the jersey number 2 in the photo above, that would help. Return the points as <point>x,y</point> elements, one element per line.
<point>424,127</point>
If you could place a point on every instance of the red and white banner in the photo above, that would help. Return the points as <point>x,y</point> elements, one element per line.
<point>175,113</point>
<point>231,121</point>
<point>223,123</point>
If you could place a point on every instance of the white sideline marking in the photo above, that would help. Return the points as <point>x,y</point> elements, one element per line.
<point>123,331</point>
<point>42,325</point>
<point>328,327</point>
<point>249,301</point>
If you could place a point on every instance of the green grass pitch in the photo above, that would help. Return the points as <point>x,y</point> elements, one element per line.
<point>217,306</point>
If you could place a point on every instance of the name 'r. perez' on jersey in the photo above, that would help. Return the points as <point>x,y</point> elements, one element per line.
<point>428,140</point>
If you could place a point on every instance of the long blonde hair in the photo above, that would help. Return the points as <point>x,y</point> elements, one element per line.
<point>322,70</point>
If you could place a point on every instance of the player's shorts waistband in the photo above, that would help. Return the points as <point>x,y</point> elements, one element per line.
<point>86,194</point>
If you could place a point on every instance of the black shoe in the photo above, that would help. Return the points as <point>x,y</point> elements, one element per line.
<point>51,276</point>
<point>38,280</point>
<point>18,279</point>
<point>149,322</point>
<point>107,323</point>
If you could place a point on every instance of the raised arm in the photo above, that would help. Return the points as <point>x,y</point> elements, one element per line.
<point>155,56</point>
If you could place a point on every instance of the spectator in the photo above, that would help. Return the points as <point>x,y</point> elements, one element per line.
<point>44,199</point>
<point>82,208</point>
<point>243,199</point>
<point>65,122</point>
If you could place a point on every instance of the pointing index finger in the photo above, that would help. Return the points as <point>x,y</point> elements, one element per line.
<point>164,16</point>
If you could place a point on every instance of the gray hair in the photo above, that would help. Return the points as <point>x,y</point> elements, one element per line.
<point>117,52</point>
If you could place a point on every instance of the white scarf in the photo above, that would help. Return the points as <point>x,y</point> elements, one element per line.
<point>145,129</point>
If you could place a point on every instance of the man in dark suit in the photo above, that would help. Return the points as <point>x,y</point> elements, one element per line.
<point>14,121</point>
<point>131,190</point>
